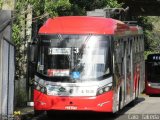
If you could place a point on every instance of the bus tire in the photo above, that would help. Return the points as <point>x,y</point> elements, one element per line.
<point>38,112</point>
<point>120,99</point>
<point>51,113</point>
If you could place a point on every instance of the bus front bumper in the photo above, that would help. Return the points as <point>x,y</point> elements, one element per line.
<point>100,103</point>
<point>152,88</point>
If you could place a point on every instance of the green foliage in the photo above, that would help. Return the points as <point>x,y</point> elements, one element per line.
<point>151,33</point>
<point>79,7</point>
<point>113,4</point>
<point>56,8</point>
<point>1,4</point>
<point>147,26</point>
<point>16,34</point>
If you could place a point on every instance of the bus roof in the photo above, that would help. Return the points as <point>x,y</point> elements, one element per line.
<point>86,25</point>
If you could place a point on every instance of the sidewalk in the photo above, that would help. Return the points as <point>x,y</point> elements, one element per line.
<point>24,113</point>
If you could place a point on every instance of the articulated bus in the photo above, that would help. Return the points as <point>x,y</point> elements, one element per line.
<point>87,64</point>
<point>152,81</point>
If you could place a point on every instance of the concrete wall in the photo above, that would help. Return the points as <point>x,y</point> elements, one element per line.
<point>7,66</point>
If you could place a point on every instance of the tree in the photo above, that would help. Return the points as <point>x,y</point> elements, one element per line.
<point>79,7</point>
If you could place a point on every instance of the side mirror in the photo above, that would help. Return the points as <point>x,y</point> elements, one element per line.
<point>32,52</point>
<point>32,55</point>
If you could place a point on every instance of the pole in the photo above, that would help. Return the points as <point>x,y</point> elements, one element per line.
<point>28,39</point>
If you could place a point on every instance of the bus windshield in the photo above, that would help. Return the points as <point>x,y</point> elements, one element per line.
<point>154,72</point>
<point>76,57</point>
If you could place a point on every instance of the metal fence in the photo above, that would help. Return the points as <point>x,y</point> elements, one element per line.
<point>7,68</point>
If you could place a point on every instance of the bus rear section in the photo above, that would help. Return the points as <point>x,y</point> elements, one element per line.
<point>152,83</point>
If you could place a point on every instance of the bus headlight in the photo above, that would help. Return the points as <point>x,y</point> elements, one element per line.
<point>35,83</point>
<point>52,90</point>
<point>40,87</point>
<point>149,84</point>
<point>104,89</point>
<point>43,90</point>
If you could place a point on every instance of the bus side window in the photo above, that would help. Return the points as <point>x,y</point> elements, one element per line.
<point>135,45</point>
<point>118,51</point>
<point>118,57</point>
<point>128,57</point>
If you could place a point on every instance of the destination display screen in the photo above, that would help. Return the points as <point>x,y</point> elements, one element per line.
<point>153,57</point>
<point>59,51</point>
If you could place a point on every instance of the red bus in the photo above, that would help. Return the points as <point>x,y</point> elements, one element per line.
<point>88,64</point>
<point>152,83</point>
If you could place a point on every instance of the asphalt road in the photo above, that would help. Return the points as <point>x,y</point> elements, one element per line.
<point>145,108</point>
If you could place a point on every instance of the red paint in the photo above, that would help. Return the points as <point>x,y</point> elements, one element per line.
<point>149,90</point>
<point>136,77</point>
<point>78,25</point>
<point>82,103</point>
<point>84,25</point>
<point>148,73</point>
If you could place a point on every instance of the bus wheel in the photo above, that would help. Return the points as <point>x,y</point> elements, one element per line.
<point>38,112</point>
<point>51,113</point>
<point>120,99</point>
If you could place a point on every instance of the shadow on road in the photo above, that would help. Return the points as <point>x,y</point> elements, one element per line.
<point>154,95</point>
<point>82,116</point>
<point>132,104</point>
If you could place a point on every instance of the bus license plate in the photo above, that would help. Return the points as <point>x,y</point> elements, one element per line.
<point>71,107</point>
